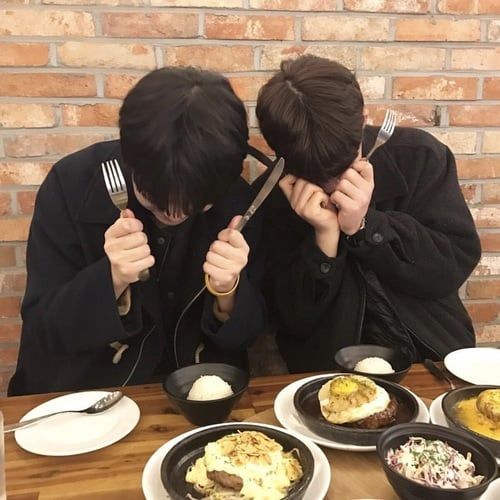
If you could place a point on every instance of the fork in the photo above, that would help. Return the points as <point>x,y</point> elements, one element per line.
<point>385,132</point>
<point>117,189</point>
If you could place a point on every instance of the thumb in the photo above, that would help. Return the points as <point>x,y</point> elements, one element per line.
<point>235,221</point>
<point>127,214</point>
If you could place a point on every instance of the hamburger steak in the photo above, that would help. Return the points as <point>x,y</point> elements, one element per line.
<point>231,481</point>
<point>383,418</point>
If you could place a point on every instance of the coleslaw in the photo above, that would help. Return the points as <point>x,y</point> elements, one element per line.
<point>434,463</point>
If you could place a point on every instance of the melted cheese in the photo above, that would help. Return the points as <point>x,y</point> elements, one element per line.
<point>469,416</point>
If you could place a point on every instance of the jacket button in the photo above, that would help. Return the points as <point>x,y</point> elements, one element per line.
<point>325,267</point>
<point>170,295</point>
<point>161,240</point>
<point>377,238</point>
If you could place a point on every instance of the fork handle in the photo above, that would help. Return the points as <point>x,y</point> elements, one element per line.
<point>31,421</point>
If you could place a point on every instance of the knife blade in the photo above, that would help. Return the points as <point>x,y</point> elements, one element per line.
<point>438,372</point>
<point>263,193</point>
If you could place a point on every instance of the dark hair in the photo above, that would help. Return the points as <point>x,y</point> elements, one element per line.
<point>183,134</point>
<point>311,113</point>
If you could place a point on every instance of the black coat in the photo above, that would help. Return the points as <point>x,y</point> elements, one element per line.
<point>69,311</point>
<point>420,241</point>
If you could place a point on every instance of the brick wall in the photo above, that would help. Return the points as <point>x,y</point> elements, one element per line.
<point>65,65</point>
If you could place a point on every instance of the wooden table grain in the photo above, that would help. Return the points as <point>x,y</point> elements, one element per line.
<point>115,472</point>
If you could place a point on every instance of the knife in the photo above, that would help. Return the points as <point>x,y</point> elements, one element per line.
<point>263,193</point>
<point>438,372</point>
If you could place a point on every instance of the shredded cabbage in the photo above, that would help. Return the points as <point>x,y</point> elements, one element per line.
<point>433,463</point>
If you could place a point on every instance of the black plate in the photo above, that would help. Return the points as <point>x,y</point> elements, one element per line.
<point>448,404</point>
<point>178,384</point>
<point>185,453</point>
<point>411,490</point>
<point>347,357</point>
<point>307,405</point>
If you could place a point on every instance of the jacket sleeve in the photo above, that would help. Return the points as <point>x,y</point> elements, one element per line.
<point>69,304</point>
<point>301,281</point>
<point>431,248</point>
<point>248,317</point>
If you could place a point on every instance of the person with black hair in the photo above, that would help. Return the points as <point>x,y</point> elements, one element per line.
<point>359,252</point>
<point>88,321</point>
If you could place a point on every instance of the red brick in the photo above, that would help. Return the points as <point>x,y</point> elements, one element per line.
<point>491,88</point>
<point>487,333</point>
<point>491,193</point>
<point>457,6</point>
<point>24,54</point>
<point>311,5</point>
<point>223,4</point>
<point>5,204</point>
<point>489,265</point>
<point>403,58</point>
<point>479,116</point>
<point>490,242</point>
<point>10,333</point>
<point>479,59</point>
<point>272,55</point>
<point>26,115</point>
<point>411,6</point>
<point>478,168</point>
<point>488,7</point>
<point>408,115</point>
<point>345,28</point>
<point>434,87</point>
<point>484,289</point>
<point>106,55</point>
<point>494,31</point>
<point>237,27</point>
<point>9,307</point>
<point>491,141</point>
<point>483,312</point>
<point>486,216</point>
<point>433,30</point>
<point>470,192</point>
<point>117,86</point>
<point>372,87</point>
<point>459,141</point>
<point>49,144</point>
<point>12,283</point>
<point>152,24</point>
<point>47,85</point>
<point>247,87</point>
<point>23,173</point>
<point>8,356</point>
<point>223,58</point>
<point>38,22</point>
<point>14,229</point>
<point>7,256</point>
<point>26,202</point>
<point>90,115</point>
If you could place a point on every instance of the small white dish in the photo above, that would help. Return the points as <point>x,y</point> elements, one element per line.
<point>153,489</point>
<point>439,418</point>
<point>476,365</point>
<point>287,416</point>
<point>76,433</point>
<point>493,491</point>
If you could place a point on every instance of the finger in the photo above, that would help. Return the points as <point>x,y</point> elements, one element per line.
<point>308,190</point>
<point>323,200</point>
<point>342,201</point>
<point>136,254</point>
<point>348,188</point>
<point>299,187</point>
<point>218,275</point>
<point>140,265</point>
<point>124,226</point>
<point>228,251</point>
<point>128,242</point>
<point>221,262</point>
<point>232,237</point>
<point>364,168</point>
<point>235,221</point>
<point>127,214</point>
<point>286,185</point>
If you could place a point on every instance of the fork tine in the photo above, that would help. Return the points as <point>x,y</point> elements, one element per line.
<point>111,177</point>
<point>112,169</point>
<point>392,123</point>
<point>106,177</point>
<point>120,175</point>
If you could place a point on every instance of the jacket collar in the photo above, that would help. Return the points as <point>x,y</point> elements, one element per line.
<point>389,181</point>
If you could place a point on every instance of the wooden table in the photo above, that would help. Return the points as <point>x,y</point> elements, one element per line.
<point>115,472</point>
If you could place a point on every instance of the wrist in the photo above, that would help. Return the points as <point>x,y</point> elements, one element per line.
<point>328,242</point>
<point>360,227</point>
<point>222,290</point>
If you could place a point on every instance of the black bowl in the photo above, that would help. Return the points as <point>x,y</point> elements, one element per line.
<point>187,451</point>
<point>178,384</point>
<point>347,357</point>
<point>307,405</point>
<point>448,404</point>
<point>411,490</point>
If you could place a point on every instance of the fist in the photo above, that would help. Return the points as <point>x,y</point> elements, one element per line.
<point>126,246</point>
<point>226,257</point>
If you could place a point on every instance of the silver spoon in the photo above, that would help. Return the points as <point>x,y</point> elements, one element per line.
<point>438,373</point>
<point>99,406</point>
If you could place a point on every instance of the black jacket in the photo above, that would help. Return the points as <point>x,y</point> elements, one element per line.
<point>420,241</point>
<point>69,310</point>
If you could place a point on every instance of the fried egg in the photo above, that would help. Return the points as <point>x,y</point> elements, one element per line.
<point>349,398</point>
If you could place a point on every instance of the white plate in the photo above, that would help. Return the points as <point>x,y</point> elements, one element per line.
<point>476,365</point>
<point>153,489</point>
<point>438,417</point>
<point>75,433</point>
<point>493,491</point>
<point>288,417</point>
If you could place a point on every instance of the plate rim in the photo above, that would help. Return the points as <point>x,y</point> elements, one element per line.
<point>165,447</point>
<point>318,439</point>
<point>129,425</point>
<point>449,358</point>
